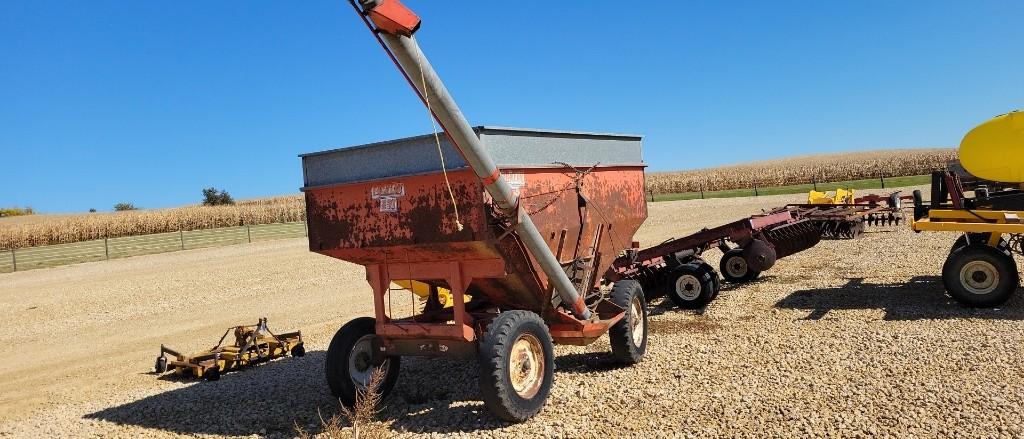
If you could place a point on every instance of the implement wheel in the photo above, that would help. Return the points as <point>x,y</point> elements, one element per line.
<point>735,269</point>
<point>978,275</point>
<point>629,336</point>
<point>517,364</point>
<point>692,286</point>
<point>161,364</point>
<point>299,350</point>
<point>213,374</point>
<point>350,362</point>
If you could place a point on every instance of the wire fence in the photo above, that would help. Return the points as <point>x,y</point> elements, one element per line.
<point>881,181</point>
<point>113,248</point>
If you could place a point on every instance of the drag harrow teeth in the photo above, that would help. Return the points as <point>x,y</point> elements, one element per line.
<point>253,344</point>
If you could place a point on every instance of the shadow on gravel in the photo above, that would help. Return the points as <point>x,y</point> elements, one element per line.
<point>432,395</point>
<point>922,297</point>
<point>587,362</point>
<point>263,400</point>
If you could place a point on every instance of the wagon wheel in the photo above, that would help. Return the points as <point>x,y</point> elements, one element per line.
<point>735,269</point>
<point>629,336</point>
<point>516,365</point>
<point>350,361</point>
<point>979,275</point>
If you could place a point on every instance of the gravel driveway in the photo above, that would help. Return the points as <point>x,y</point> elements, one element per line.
<point>848,339</point>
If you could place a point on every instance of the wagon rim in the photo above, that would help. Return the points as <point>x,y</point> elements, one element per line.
<point>526,365</point>
<point>636,321</point>
<point>360,365</point>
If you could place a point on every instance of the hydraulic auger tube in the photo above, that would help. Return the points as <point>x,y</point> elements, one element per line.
<point>394,26</point>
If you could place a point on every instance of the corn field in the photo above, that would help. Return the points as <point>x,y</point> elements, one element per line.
<point>61,229</point>
<point>804,169</point>
<point>36,230</point>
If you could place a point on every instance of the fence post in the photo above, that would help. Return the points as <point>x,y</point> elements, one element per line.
<point>305,227</point>
<point>248,233</point>
<point>755,188</point>
<point>181,237</point>
<point>14,260</point>
<point>814,181</point>
<point>106,249</point>
<point>881,177</point>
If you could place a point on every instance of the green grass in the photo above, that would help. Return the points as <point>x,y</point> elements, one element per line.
<point>872,183</point>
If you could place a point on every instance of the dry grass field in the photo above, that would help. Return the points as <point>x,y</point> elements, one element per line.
<point>34,230</point>
<point>848,339</point>
<point>804,169</point>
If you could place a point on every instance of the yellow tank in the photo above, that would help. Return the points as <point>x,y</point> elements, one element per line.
<point>994,150</point>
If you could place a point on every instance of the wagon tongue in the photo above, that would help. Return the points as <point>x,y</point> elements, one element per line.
<point>793,238</point>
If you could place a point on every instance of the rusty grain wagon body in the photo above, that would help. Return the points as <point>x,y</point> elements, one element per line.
<point>387,206</point>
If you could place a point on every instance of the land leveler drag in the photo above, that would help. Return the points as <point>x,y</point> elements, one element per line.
<point>253,344</point>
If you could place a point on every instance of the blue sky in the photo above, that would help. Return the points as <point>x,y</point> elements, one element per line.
<point>148,102</point>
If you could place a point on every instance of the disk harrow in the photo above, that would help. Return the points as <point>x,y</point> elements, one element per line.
<point>676,268</point>
<point>849,221</point>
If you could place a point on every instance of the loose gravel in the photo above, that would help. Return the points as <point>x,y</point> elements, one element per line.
<point>848,339</point>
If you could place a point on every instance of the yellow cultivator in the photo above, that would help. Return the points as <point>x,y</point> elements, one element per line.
<point>253,344</point>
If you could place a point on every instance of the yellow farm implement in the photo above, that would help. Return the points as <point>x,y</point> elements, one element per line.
<point>841,196</point>
<point>981,270</point>
<point>253,344</point>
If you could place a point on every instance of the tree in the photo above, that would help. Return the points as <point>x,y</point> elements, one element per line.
<point>121,207</point>
<point>214,197</point>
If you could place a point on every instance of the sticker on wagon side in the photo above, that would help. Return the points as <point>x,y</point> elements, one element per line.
<point>387,195</point>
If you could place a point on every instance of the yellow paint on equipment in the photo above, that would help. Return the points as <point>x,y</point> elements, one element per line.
<point>994,150</point>
<point>422,290</point>
<point>842,196</point>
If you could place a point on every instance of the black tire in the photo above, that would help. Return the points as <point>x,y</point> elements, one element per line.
<point>628,337</point>
<point>734,267</point>
<point>691,286</point>
<point>299,350</point>
<point>339,376</point>
<point>920,210</point>
<point>976,238</point>
<point>980,276</point>
<point>161,364</point>
<point>212,374</point>
<point>511,345</point>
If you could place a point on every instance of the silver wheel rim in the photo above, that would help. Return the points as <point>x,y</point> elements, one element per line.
<point>526,366</point>
<point>979,277</point>
<point>688,287</point>
<point>636,321</point>
<point>736,266</point>
<point>360,366</point>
